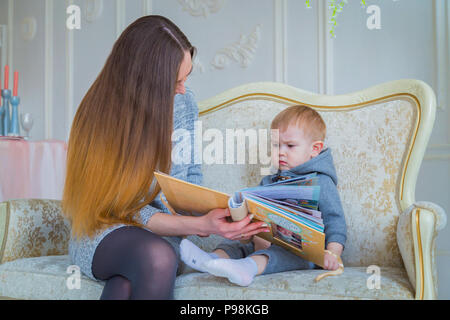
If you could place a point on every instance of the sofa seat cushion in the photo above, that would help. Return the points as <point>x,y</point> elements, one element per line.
<point>46,278</point>
<point>298,285</point>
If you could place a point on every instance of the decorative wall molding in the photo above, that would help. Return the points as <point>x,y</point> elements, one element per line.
<point>69,77</point>
<point>197,65</point>
<point>280,40</point>
<point>93,9</point>
<point>201,7</point>
<point>242,51</point>
<point>325,50</point>
<point>147,7</point>
<point>120,17</point>
<point>48,77</point>
<point>28,28</point>
<point>442,33</point>
<point>443,253</point>
<point>438,157</point>
<point>10,34</point>
<point>438,152</point>
<point>3,47</point>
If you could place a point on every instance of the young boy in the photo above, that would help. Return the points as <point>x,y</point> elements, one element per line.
<point>299,152</point>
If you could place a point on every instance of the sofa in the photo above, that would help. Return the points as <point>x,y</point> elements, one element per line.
<point>378,137</point>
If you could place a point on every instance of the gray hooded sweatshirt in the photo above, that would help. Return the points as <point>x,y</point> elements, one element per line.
<point>329,200</point>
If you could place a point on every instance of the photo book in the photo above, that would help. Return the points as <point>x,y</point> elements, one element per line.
<point>289,207</point>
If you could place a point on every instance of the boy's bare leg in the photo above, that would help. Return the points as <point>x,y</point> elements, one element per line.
<point>222,254</point>
<point>261,261</point>
<point>260,243</point>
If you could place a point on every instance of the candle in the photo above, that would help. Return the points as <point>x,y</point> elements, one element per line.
<point>6,77</point>
<point>16,83</point>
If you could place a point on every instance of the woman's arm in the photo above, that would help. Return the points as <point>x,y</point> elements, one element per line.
<point>168,225</point>
<point>214,222</point>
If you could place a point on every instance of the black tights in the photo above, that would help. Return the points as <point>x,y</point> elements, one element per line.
<point>136,264</point>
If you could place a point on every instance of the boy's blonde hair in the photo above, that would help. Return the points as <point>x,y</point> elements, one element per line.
<point>304,117</point>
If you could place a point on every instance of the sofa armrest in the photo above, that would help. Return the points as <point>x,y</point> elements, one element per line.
<point>417,229</point>
<point>32,228</point>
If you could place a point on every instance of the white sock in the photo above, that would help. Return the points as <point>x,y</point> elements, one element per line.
<point>238,271</point>
<point>193,256</point>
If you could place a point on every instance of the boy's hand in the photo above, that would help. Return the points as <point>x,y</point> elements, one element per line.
<point>330,262</point>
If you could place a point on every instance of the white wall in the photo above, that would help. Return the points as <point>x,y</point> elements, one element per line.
<point>286,43</point>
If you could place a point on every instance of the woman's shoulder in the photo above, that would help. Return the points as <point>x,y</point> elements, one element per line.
<point>185,109</point>
<point>188,98</point>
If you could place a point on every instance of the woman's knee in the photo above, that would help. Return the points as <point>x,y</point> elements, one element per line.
<point>158,255</point>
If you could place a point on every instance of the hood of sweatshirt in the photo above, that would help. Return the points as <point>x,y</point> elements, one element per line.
<point>322,164</point>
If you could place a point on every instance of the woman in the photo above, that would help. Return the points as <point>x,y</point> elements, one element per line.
<point>120,135</point>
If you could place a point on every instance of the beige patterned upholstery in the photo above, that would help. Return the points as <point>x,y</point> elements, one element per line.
<point>378,137</point>
<point>33,228</point>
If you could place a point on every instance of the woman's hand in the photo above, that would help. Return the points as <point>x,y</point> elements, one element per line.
<point>215,222</point>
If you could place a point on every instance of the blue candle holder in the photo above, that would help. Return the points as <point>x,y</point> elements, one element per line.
<point>6,95</point>
<point>14,129</point>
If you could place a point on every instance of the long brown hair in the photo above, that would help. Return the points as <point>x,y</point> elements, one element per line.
<point>122,130</point>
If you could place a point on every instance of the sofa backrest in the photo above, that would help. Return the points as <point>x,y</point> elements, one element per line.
<point>32,228</point>
<point>377,137</point>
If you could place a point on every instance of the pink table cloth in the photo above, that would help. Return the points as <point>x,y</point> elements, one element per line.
<point>32,169</point>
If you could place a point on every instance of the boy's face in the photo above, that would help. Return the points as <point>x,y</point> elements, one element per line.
<point>293,148</point>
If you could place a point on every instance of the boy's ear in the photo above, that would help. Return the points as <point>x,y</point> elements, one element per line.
<point>317,148</point>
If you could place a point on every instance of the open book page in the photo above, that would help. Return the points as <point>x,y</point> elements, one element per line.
<point>305,180</point>
<point>237,205</point>
<point>305,196</point>
<point>312,215</point>
<point>300,236</point>
<point>311,212</point>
